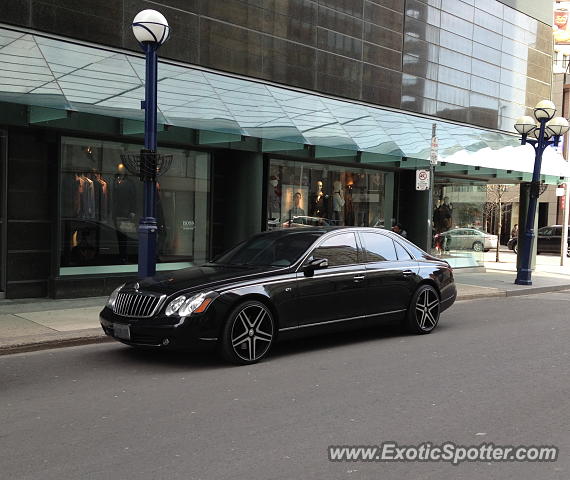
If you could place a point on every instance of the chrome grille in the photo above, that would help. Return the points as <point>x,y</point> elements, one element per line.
<point>139,305</point>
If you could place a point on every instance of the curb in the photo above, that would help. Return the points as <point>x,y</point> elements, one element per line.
<point>53,344</point>
<point>94,337</point>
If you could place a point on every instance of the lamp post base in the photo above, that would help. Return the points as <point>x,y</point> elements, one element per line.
<point>524,277</point>
<point>147,247</point>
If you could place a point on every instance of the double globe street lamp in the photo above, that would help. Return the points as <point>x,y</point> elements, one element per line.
<point>151,30</point>
<point>546,133</point>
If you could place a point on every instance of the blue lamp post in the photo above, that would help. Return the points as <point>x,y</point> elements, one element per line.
<point>546,133</point>
<point>151,31</point>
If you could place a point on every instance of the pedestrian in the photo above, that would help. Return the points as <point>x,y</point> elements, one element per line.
<point>399,229</point>
<point>515,231</point>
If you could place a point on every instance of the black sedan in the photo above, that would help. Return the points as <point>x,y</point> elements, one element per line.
<point>284,283</point>
<point>549,240</point>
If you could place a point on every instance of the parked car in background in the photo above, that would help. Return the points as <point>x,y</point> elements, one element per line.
<point>467,239</point>
<point>549,240</point>
<point>283,283</point>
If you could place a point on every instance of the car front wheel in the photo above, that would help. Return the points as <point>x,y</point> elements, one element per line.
<point>478,246</point>
<point>423,313</point>
<point>248,334</point>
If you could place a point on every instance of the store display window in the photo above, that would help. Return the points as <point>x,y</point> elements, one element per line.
<point>307,194</point>
<point>101,204</point>
<point>459,228</point>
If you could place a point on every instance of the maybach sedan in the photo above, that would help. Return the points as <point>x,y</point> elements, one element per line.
<point>280,284</point>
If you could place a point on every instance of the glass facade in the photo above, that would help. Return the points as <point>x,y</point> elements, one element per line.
<point>459,235</point>
<point>477,61</point>
<point>101,203</point>
<point>480,62</point>
<point>313,194</point>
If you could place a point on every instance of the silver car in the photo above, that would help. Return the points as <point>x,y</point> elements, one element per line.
<point>469,239</point>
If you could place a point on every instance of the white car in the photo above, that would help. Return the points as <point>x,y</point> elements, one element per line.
<point>469,239</point>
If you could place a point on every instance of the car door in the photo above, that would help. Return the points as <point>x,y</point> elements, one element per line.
<point>556,240</point>
<point>544,239</point>
<point>391,274</point>
<point>337,292</point>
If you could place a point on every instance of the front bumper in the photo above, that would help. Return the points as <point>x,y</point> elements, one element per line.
<point>160,332</point>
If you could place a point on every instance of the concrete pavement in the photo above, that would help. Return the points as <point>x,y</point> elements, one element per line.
<point>27,325</point>
<point>486,375</point>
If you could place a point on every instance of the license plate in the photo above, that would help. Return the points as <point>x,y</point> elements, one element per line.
<point>122,331</point>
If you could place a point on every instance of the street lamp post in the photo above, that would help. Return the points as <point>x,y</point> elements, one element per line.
<point>546,133</point>
<point>151,31</point>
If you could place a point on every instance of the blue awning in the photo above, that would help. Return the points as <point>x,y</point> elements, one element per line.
<point>46,72</point>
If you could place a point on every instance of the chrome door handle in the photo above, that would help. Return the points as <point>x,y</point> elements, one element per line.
<point>358,278</point>
<point>407,273</point>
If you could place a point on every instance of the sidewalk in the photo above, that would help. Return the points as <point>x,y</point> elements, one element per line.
<point>27,325</point>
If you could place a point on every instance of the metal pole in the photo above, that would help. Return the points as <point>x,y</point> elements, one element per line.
<point>147,224</point>
<point>564,247</point>
<point>431,187</point>
<point>524,273</point>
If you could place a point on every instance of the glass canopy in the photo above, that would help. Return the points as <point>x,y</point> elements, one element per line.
<point>51,73</point>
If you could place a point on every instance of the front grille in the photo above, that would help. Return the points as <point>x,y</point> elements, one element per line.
<point>139,305</point>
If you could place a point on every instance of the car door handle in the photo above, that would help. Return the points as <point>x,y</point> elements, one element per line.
<point>358,278</point>
<point>407,273</point>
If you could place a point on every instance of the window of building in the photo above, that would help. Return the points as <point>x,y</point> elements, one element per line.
<point>338,250</point>
<point>379,248</point>
<point>101,204</point>
<point>300,194</point>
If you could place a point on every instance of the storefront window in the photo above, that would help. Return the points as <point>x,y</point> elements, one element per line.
<point>459,224</point>
<point>101,203</point>
<point>302,194</point>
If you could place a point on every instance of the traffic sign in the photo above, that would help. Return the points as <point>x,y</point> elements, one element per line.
<point>422,179</point>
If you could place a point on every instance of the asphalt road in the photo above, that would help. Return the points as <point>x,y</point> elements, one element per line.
<point>496,370</point>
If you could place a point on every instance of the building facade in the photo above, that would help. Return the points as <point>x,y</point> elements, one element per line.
<point>274,113</point>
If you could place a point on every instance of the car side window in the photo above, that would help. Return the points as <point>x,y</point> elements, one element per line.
<point>379,248</point>
<point>557,231</point>
<point>401,252</point>
<point>338,250</point>
<point>546,231</point>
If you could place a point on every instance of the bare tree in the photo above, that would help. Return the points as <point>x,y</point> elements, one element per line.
<point>494,207</point>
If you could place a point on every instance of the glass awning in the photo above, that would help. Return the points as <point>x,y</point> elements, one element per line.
<point>46,72</point>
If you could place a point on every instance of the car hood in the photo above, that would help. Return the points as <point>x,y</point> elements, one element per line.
<point>208,276</point>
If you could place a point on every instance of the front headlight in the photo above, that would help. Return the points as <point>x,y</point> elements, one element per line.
<point>184,306</point>
<point>175,305</point>
<point>113,297</point>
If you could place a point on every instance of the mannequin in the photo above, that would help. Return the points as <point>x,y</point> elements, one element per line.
<point>442,216</point>
<point>297,210</point>
<point>319,201</point>
<point>273,198</point>
<point>338,202</point>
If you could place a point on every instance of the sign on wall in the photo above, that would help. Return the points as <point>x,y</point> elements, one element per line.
<point>422,179</point>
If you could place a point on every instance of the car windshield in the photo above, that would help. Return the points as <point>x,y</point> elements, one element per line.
<point>270,249</point>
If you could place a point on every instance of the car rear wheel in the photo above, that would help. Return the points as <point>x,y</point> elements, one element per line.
<point>423,313</point>
<point>248,334</point>
<point>477,246</point>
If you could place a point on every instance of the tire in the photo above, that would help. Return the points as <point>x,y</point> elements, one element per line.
<point>477,246</point>
<point>248,333</point>
<point>423,312</point>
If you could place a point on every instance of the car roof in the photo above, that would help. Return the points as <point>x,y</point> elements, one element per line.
<point>322,230</point>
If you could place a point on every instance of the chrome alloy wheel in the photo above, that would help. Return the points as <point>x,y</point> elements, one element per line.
<point>252,332</point>
<point>427,309</point>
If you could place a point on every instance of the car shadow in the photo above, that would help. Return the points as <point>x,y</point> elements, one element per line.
<point>209,359</point>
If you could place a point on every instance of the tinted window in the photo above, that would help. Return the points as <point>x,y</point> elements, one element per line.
<point>546,231</point>
<point>378,247</point>
<point>557,231</point>
<point>270,249</point>
<point>338,250</point>
<point>402,252</point>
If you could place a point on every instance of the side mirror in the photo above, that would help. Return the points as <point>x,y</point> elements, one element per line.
<point>315,264</point>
